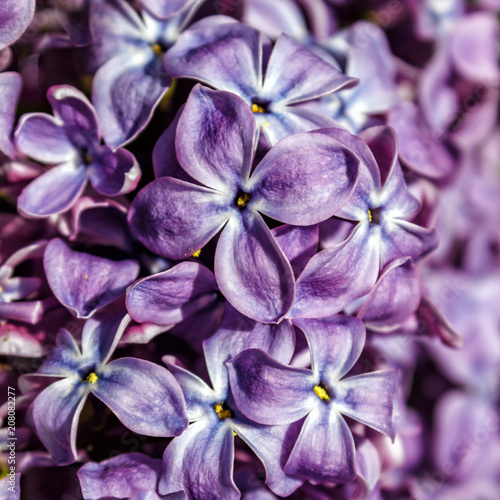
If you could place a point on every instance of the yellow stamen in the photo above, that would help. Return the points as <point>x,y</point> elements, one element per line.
<point>243,200</point>
<point>88,159</point>
<point>158,51</point>
<point>222,412</point>
<point>370,215</point>
<point>234,434</point>
<point>197,253</point>
<point>321,393</point>
<point>1,288</point>
<point>92,378</point>
<point>266,124</point>
<point>86,276</point>
<point>258,109</point>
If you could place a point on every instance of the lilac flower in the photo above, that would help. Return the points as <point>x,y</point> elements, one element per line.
<point>200,461</point>
<point>14,19</point>
<point>84,283</point>
<point>215,146</point>
<point>144,396</point>
<point>269,393</point>
<point>381,205</point>
<point>129,48</point>
<point>70,140</point>
<point>229,56</point>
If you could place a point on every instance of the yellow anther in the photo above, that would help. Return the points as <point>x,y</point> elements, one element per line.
<point>197,253</point>
<point>92,378</point>
<point>243,200</point>
<point>88,159</point>
<point>1,288</point>
<point>5,338</point>
<point>321,393</point>
<point>86,276</point>
<point>158,51</point>
<point>222,412</point>
<point>234,434</point>
<point>266,124</point>
<point>370,215</point>
<point>258,109</point>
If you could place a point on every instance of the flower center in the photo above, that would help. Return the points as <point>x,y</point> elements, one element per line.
<point>374,215</point>
<point>259,106</point>
<point>158,50</point>
<point>92,378</point>
<point>322,392</point>
<point>223,411</point>
<point>242,199</point>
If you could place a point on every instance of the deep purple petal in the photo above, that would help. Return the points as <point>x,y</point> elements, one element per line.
<point>113,173</point>
<point>247,245</point>
<point>172,295</point>
<point>84,283</point>
<point>335,343</point>
<point>404,239</point>
<point>55,191</point>
<point>175,219</point>
<point>226,56</point>
<point>10,90</point>
<point>118,476</point>
<point>324,450</point>
<point>76,113</point>
<point>369,399</point>
<point>64,359</point>
<point>237,333</point>
<point>55,415</point>
<point>163,9</point>
<point>298,243</point>
<point>268,392</point>
<point>295,74</point>
<point>14,19</point>
<point>144,396</point>
<point>337,276</point>
<point>125,92</point>
<point>200,462</point>
<point>304,179</point>
<point>394,298</point>
<point>43,138</point>
<point>272,444</point>
<point>215,139</point>
<point>27,311</point>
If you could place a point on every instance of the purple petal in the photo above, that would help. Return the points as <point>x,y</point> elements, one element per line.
<point>64,359</point>
<point>164,9</point>
<point>76,113</point>
<point>55,191</point>
<point>246,245</point>
<point>118,476</point>
<point>16,340</point>
<point>295,74</point>
<point>10,89</point>
<point>237,333</point>
<point>172,295</point>
<point>101,335</point>
<point>125,92</point>
<point>215,142</point>
<point>335,344</point>
<point>298,243</point>
<point>394,298</point>
<point>369,399</point>
<point>272,444</point>
<point>14,19</point>
<point>55,415</point>
<point>304,179</point>
<point>44,139</point>
<point>200,462</point>
<point>474,47</point>
<point>113,173</point>
<point>144,396</point>
<point>84,283</point>
<point>175,219</point>
<point>226,56</point>
<point>268,392</point>
<point>335,277</point>
<point>27,312</point>
<point>400,238</point>
<point>324,450</point>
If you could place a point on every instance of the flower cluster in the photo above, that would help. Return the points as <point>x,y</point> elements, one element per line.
<point>249,249</point>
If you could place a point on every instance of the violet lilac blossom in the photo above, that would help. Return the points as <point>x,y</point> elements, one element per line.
<point>270,393</point>
<point>70,140</point>
<point>216,145</point>
<point>234,57</point>
<point>144,396</point>
<point>130,47</point>
<point>15,17</point>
